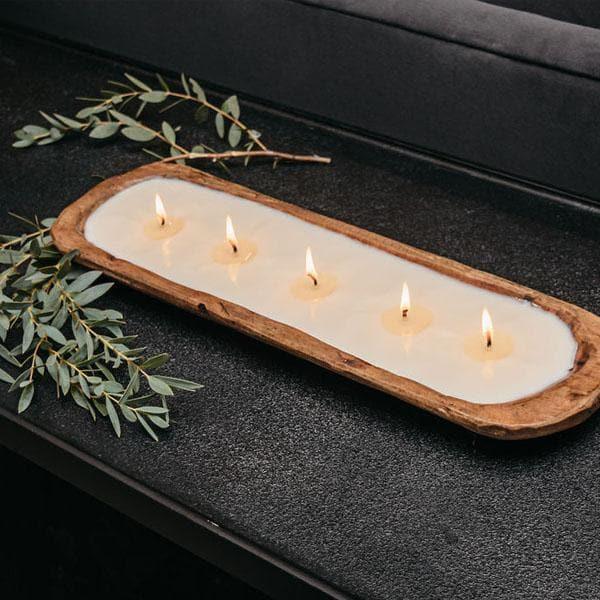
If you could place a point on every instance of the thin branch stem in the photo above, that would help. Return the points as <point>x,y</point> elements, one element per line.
<point>313,158</point>
<point>224,114</point>
<point>73,310</point>
<point>23,238</point>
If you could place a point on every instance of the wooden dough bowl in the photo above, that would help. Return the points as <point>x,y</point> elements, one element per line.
<point>558,407</point>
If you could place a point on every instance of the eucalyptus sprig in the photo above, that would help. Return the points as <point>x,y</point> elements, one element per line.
<point>47,317</point>
<point>109,115</point>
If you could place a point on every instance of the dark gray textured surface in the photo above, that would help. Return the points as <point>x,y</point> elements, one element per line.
<point>375,497</point>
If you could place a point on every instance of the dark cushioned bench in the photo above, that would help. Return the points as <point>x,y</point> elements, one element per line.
<point>580,12</point>
<point>504,89</point>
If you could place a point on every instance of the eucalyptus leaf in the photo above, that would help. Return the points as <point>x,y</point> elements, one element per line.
<point>70,122</point>
<point>104,131</point>
<point>232,106</point>
<point>181,384</point>
<point>6,377</point>
<point>83,281</point>
<point>138,83</point>
<point>154,97</point>
<point>234,136</point>
<point>159,386</point>
<point>123,118</point>
<point>154,362</point>
<point>220,125</point>
<point>201,114</point>
<point>25,397</point>
<point>168,132</point>
<point>147,427</point>
<point>138,134</point>
<point>35,130</point>
<point>113,416</point>
<point>158,421</point>
<point>23,143</point>
<point>198,91</point>
<point>52,333</point>
<point>53,121</point>
<point>92,293</point>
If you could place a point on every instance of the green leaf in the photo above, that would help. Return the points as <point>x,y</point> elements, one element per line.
<point>35,130</point>
<point>28,333</point>
<point>52,333</point>
<point>4,376</point>
<point>114,417</point>
<point>174,152</point>
<point>52,120</point>
<point>70,122</point>
<point>22,143</point>
<point>162,82</point>
<point>123,118</point>
<point>184,84</point>
<point>154,97</point>
<point>220,125</point>
<point>104,131</point>
<point>154,362</point>
<point>158,421</point>
<point>25,398</point>
<point>235,135</point>
<point>64,378</point>
<point>181,384</point>
<point>113,387</point>
<point>83,281</point>
<point>197,89</point>
<point>88,111</point>
<point>8,356</point>
<point>140,109</point>
<point>60,318</point>
<point>85,388</point>
<point>232,106</point>
<point>138,134</point>
<point>138,83</point>
<point>201,114</point>
<point>153,410</point>
<point>91,293</point>
<point>49,140</point>
<point>159,386</point>
<point>147,427</point>
<point>168,132</point>
<point>128,413</point>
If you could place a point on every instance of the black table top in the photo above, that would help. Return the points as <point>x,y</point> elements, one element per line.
<point>367,494</point>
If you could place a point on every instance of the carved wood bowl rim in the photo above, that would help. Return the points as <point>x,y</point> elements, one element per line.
<point>558,407</point>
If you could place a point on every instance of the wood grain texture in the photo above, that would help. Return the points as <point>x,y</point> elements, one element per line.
<point>558,407</point>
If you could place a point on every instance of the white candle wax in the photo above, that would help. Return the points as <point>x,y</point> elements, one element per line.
<point>368,282</point>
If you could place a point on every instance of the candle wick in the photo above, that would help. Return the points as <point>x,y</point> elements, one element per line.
<point>314,279</point>
<point>488,342</point>
<point>405,313</point>
<point>234,247</point>
<point>162,221</point>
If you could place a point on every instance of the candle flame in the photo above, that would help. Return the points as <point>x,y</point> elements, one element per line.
<point>230,234</point>
<point>405,301</point>
<point>310,267</point>
<point>161,213</point>
<point>487,328</point>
